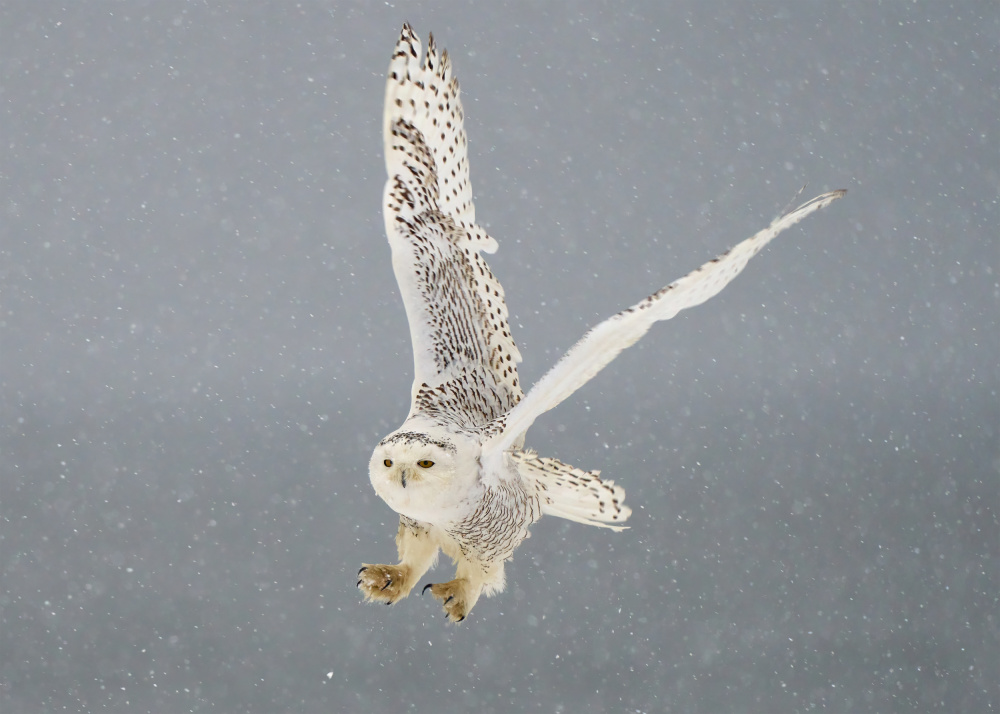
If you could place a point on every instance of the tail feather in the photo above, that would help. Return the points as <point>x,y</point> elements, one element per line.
<point>572,493</point>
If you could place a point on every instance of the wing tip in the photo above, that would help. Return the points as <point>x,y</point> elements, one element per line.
<point>818,202</point>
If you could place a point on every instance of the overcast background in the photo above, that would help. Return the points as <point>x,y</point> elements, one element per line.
<point>201,340</point>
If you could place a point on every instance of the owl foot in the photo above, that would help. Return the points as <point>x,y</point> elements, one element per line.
<point>384,583</point>
<point>454,596</point>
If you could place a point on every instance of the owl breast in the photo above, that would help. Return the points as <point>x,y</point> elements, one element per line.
<point>499,521</point>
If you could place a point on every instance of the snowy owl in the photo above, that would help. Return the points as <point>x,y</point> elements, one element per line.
<point>457,471</point>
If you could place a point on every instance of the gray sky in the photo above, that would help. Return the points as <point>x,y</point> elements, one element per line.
<point>201,340</point>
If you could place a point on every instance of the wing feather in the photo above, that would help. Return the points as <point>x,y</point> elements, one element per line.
<point>465,360</point>
<point>607,340</point>
<point>572,493</point>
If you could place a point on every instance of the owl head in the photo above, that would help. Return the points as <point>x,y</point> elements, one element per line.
<point>413,472</point>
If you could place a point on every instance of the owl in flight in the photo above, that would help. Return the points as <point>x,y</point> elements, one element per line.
<point>457,471</point>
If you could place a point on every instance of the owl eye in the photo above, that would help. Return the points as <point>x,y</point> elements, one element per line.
<point>425,463</point>
<point>387,462</point>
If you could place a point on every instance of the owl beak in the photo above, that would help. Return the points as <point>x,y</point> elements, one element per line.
<point>402,477</point>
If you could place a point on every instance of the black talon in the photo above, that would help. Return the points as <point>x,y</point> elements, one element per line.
<point>363,569</point>
<point>450,598</point>
<point>428,585</point>
<point>359,583</point>
<point>460,619</point>
<point>385,586</point>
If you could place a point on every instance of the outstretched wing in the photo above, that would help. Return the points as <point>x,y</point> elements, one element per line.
<point>464,359</point>
<point>605,341</point>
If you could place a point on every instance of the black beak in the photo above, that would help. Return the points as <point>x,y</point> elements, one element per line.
<point>402,477</point>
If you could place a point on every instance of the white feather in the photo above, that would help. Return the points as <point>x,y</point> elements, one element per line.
<point>573,494</point>
<point>607,340</point>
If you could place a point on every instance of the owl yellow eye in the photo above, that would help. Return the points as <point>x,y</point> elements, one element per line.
<point>425,463</point>
<point>387,462</point>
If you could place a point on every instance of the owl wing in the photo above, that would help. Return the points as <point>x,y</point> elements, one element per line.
<point>464,358</point>
<point>605,341</point>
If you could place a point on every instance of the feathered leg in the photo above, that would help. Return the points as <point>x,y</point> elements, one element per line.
<point>391,583</point>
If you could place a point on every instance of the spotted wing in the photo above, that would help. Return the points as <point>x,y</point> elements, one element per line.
<point>464,359</point>
<point>607,340</point>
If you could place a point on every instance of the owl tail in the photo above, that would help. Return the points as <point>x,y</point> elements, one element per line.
<point>570,493</point>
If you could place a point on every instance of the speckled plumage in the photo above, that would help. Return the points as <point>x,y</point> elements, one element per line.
<point>455,470</point>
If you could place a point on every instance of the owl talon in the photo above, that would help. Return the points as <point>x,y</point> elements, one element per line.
<point>384,583</point>
<point>454,596</point>
<point>426,588</point>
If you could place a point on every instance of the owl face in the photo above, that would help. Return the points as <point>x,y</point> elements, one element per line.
<point>413,472</point>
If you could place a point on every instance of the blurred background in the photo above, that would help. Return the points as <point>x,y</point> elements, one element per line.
<point>201,340</point>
